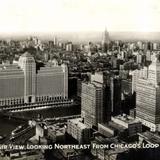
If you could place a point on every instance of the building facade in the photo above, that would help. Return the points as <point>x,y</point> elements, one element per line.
<point>115,88</point>
<point>147,94</point>
<point>93,109</point>
<point>23,83</point>
<point>78,130</point>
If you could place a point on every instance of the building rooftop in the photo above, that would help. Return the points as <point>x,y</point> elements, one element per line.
<point>78,122</point>
<point>126,119</point>
<point>115,126</point>
<point>148,136</point>
<point>9,67</point>
<point>26,54</point>
<point>114,151</point>
<point>105,140</point>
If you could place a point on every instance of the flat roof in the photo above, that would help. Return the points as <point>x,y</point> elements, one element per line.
<point>103,139</point>
<point>154,138</point>
<point>127,119</point>
<point>116,150</point>
<point>114,126</point>
<point>78,122</point>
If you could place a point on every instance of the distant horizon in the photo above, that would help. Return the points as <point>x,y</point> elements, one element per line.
<point>84,31</point>
<point>85,36</point>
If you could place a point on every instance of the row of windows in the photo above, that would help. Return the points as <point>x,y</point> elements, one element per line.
<point>49,98</point>
<point>38,99</point>
<point>11,101</point>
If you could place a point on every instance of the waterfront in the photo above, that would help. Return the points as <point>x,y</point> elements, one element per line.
<point>49,112</point>
<point>7,125</point>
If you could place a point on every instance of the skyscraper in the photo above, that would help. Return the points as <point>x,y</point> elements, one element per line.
<point>115,95</point>
<point>105,41</point>
<point>55,41</point>
<point>91,104</point>
<point>148,95</point>
<point>94,108</point>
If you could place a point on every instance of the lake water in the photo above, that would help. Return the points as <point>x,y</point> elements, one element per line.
<point>7,125</point>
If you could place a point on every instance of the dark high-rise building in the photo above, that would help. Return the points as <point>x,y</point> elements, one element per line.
<point>128,101</point>
<point>79,87</point>
<point>105,41</point>
<point>115,88</point>
<point>72,87</point>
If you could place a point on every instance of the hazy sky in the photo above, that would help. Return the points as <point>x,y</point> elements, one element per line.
<point>79,15</point>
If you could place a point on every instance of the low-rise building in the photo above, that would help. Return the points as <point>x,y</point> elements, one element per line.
<point>110,129</point>
<point>118,153</point>
<point>149,137</point>
<point>78,130</point>
<point>24,155</point>
<point>41,130</point>
<point>56,134</point>
<point>100,146</point>
<point>69,154</point>
<point>132,125</point>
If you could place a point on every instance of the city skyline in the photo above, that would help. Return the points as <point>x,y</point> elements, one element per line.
<point>59,93</point>
<point>21,16</point>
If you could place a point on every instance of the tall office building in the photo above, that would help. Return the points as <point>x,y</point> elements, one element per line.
<point>69,46</point>
<point>91,101</point>
<point>55,41</point>
<point>94,109</point>
<point>105,41</point>
<point>115,88</point>
<point>147,95</point>
<point>24,83</point>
